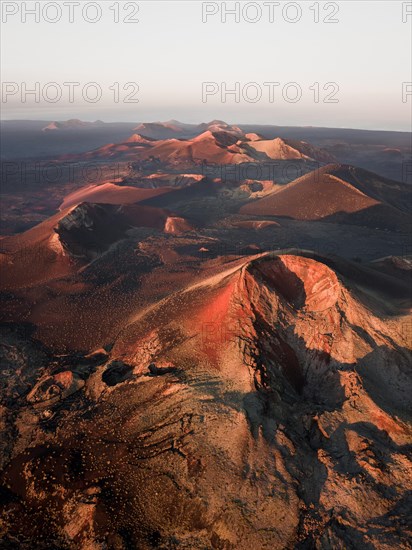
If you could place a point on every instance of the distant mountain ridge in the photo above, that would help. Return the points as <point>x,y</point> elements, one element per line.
<point>214,142</point>
<point>72,124</point>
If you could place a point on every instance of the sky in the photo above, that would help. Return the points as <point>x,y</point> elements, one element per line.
<point>350,68</point>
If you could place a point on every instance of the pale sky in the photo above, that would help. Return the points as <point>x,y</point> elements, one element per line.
<point>170,52</point>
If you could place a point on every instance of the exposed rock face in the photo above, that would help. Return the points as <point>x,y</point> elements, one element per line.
<point>274,416</point>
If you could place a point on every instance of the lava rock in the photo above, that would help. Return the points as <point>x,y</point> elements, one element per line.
<point>117,372</point>
<point>159,371</point>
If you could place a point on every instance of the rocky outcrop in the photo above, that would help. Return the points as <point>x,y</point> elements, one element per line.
<point>50,390</point>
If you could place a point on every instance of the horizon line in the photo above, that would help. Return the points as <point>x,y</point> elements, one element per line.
<point>202,122</point>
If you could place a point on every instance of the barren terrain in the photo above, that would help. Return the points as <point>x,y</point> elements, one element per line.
<point>207,345</point>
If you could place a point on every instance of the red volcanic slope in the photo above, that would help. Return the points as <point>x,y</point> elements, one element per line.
<point>47,251</point>
<point>111,194</point>
<point>269,376</point>
<point>137,138</point>
<point>312,197</point>
<point>157,218</point>
<point>203,147</point>
<point>170,180</point>
<point>35,256</point>
<point>226,147</point>
<point>322,199</point>
<point>281,291</point>
<point>221,126</point>
<point>218,143</point>
<point>282,149</point>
